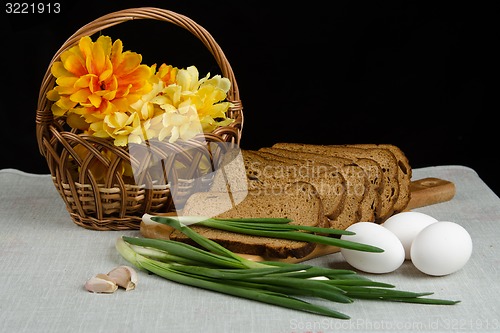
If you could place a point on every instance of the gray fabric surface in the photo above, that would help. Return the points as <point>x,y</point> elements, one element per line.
<point>46,259</point>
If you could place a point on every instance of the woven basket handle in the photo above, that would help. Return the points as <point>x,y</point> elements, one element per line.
<point>44,115</point>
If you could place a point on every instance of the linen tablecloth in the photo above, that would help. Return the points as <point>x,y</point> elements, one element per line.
<point>46,259</point>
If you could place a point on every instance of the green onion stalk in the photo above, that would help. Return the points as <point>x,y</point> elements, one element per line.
<point>213,267</point>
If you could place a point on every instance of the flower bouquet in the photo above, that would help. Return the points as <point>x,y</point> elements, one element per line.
<point>123,138</point>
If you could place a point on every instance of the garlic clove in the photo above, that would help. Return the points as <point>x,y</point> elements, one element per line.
<point>124,276</point>
<point>101,283</point>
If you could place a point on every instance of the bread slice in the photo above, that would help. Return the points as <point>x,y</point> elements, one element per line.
<point>384,158</point>
<point>360,191</point>
<point>356,185</point>
<point>272,175</point>
<point>230,174</point>
<point>298,201</point>
<point>404,173</point>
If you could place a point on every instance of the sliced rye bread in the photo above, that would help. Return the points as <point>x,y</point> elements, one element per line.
<point>351,209</point>
<point>272,175</point>
<point>384,158</point>
<point>231,174</point>
<point>355,188</point>
<point>360,191</point>
<point>369,169</point>
<point>404,173</point>
<point>298,201</point>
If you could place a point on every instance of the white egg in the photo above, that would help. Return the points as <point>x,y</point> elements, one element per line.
<point>374,234</point>
<point>441,248</point>
<point>406,226</point>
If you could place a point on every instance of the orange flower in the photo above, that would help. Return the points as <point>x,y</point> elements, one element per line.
<point>167,74</point>
<point>97,79</point>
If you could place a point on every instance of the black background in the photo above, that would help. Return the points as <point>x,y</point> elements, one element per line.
<point>414,74</point>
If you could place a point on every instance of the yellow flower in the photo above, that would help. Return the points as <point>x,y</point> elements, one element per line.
<point>207,101</point>
<point>145,106</point>
<point>123,128</point>
<point>94,80</point>
<point>188,79</point>
<point>192,106</point>
<point>108,93</point>
<point>179,122</point>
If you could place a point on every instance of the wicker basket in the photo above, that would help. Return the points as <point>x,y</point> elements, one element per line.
<point>117,202</point>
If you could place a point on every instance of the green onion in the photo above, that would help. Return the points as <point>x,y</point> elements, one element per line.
<point>366,283</point>
<point>208,244</point>
<point>278,227</point>
<point>316,271</point>
<point>421,300</point>
<point>277,220</point>
<point>168,271</point>
<point>252,228</point>
<point>218,269</point>
<point>187,251</point>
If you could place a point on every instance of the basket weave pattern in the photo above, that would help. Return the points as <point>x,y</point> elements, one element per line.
<point>117,202</point>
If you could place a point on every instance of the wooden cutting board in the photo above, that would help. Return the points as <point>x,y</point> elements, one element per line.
<point>424,192</point>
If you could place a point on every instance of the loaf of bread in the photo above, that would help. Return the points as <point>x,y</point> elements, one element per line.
<point>384,158</point>
<point>321,185</point>
<point>355,207</point>
<point>298,201</point>
<point>231,173</point>
<point>359,177</point>
<point>404,173</point>
<point>272,175</point>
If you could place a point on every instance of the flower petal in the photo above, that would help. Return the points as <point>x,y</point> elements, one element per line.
<point>116,53</point>
<point>80,96</point>
<point>175,135</point>
<point>95,100</point>
<point>98,60</point>
<point>57,110</point>
<point>84,81</point>
<point>129,63</point>
<point>65,103</point>
<point>67,81</point>
<point>107,71</point>
<point>53,95</point>
<point>58,70</point>
<point>105,43</point>
<point>75,65</point>
<point>120,104</point>
<point>76,121</point>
